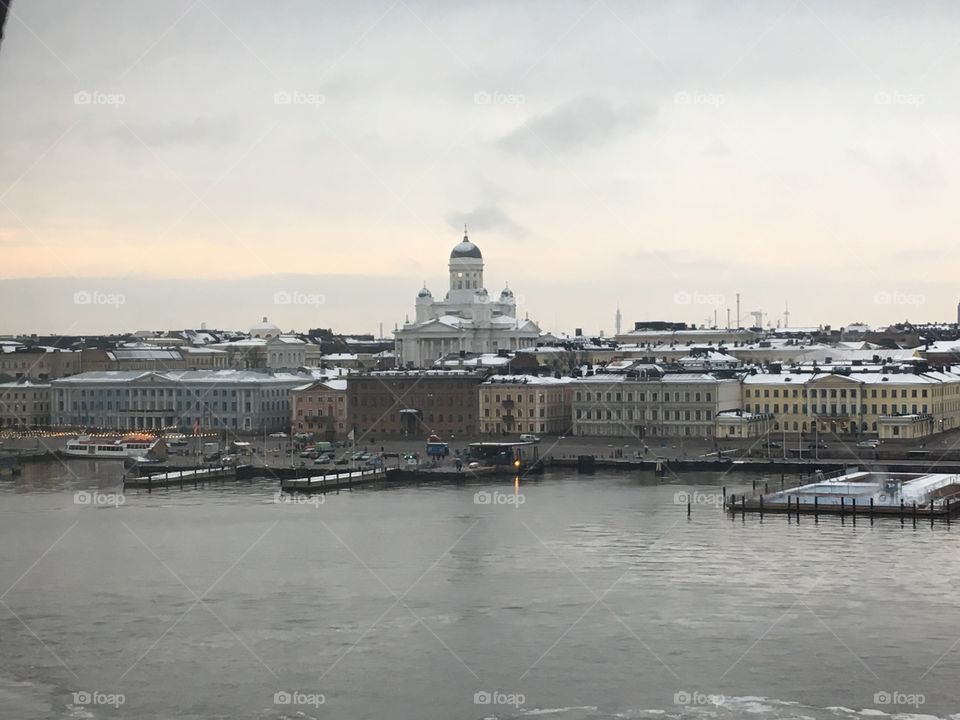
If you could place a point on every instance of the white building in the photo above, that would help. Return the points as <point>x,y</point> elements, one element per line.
<point>467,319</point>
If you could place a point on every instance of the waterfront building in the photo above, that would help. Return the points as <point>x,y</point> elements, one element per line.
<point>24,404</point>
<point>414,404</point>
<point>643,334</point>
<point>889,402</point>
<point>321,407</point>
<point>525,404</point>
<point>644,401</point>
<point>468,319</point>
<point>243,401</point>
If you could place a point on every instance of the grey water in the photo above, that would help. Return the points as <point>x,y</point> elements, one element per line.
<point>572,597</point>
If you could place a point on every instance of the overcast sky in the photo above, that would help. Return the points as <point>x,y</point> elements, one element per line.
<point>314,162</point>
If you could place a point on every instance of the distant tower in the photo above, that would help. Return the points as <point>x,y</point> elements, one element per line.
<point>786,314</point>
<point>958,313</point>
<point>618,319</point>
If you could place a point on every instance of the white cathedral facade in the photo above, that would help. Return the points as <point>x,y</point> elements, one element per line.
<point>467,319</point>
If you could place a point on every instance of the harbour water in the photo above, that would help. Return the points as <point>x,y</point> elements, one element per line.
<point>572,597</point>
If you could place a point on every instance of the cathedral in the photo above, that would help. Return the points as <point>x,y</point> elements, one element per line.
<point>467,319</point>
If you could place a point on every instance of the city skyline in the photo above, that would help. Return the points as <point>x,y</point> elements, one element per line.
<point>603,155</point>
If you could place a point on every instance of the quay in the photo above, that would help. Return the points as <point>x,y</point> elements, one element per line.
<point>334,482</point>
<point>864,493</point>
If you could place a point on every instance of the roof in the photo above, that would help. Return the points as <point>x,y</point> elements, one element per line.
<point>465,249</point>
<point>526,380</point>
<point>217,377</point>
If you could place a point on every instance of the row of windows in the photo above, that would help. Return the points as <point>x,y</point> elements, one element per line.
<point>668,415</point>
<point>642,397</point>
<point>832,392</point>
<point>834,409</point>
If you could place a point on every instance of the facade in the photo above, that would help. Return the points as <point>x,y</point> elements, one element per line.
<point>38,363</point>
<point>241,401</point>
<point>525,404</point>
<point>647,402</point>
<point>889,403</point>
<point>467,320</point>
<point>740,424</point>
<point>285,352</point>
<point>321,407</point>
<point>24,404</point>
<point>414,404</point>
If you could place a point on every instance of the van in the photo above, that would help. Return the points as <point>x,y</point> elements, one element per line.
<point>529,438</point>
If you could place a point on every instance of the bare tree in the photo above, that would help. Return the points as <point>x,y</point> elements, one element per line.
<point>4,6</point>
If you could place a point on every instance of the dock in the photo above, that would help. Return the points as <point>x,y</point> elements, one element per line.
<point>333,482</point>
<point>179,478</point>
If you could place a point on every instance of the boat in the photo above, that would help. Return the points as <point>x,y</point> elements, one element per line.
<point>129,446</point>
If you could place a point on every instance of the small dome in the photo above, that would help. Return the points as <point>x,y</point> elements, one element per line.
<point>506,293</point>
<point>465,249</point>
<point>424,293</point>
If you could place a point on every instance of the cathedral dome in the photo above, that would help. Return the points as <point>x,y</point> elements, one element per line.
<point>424,293</point>
<point>506,294</point>
<point>465,249</point>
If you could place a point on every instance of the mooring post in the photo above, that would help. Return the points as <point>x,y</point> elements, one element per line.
<point>743,505</point>
<point>843,507</point>
<point>754,486</point>
<point>816,506</point>
<point>948,511</point>
<point>853,509</point>
<point>724,494</point>
<point>766,488</point>
<point>761,506</point>
<point>901,511</point>
<point>688,508</point>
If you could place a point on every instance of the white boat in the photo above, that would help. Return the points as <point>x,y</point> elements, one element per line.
<point>135,446</point>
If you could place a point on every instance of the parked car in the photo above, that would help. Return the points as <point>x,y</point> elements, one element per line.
<point>815,445</point>
<point>322,460</point>
<point>869,444</point>
<point>341,461</point>
<point>774,444</point>
<point>529,438</point>
<point>278,435</point>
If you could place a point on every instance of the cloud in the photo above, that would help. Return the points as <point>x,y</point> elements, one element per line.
<point>487,217</point>
<point>199,131</point>
<point>580,123</point>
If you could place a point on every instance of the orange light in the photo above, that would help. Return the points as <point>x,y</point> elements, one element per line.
<point>516,463</point>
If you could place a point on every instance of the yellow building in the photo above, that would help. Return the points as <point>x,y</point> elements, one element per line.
<point>24,404</point>
<point>894,402</point>
<point>320,407</point>
<point>525,404</point>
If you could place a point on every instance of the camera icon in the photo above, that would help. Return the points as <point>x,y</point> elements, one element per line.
<point>282,98</point>
<point>82,698</point>
<point>682,98</point>
<point>82,98</point>
<point>282,298</point>
<point>681,698</point>
<point>882,98</point>
<point>482,497</point>
<point>82,297</point>
<point>482,698</point>
<point>482,97</point>
<point>681,498</point>
<point>82,498</point>
<point>682,298</point>
<point>882,698</point>
<point>882,298</point>
<point>282,697</point>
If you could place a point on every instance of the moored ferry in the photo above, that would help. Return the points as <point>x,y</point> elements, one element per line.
<point>130,446</point>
